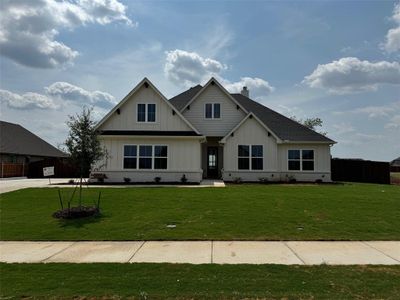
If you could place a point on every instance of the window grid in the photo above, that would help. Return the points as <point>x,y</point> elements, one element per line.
<point>212,111</point>
<point>146,113</point>
<point>139,159</point>
<point>255,152</point>
<point>301,160</point>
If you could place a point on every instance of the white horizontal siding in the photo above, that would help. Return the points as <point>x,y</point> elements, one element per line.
<point>230,115</point>
<point>127,119</point>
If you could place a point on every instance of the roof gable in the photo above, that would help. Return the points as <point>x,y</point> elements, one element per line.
<point>212,81</point>
<point>147,84</point>
<point>250,116</point>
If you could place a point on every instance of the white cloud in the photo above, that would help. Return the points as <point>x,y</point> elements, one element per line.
<point>188,68</point>
<point>258,87</point>
<point>55,96</point>
<point>394,122</point>
<point>392,41</point>
<point>343,128</point>
<point>26,101</point>
<point>70,92</point>
<point>28,29</point>
<point>351,75</point>
<point>374,111</point>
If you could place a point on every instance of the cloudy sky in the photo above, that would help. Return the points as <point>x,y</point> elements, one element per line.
<point>335,60</point>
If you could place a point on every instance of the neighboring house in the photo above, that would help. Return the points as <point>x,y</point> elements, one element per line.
<point>395,165</point>
<point>206,132</point>
<point>19,147</point>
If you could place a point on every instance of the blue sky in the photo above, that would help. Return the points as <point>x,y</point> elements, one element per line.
<point>337,60</point>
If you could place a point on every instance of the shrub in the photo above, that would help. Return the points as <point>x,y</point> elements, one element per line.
<point>184,179</point>
<point>318,181</point>
<point>292,179</point>
<point>237,180</point>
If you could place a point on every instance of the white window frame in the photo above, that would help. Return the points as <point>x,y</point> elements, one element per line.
<point>123,156</point>
<point>153,157</point>
<point>146,113</point>
<point>212,111</point>
<point>301,159</point>
<point>250,157</point>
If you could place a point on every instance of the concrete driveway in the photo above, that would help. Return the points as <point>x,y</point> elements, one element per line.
<point>9,185</point>
<point>205,252</point>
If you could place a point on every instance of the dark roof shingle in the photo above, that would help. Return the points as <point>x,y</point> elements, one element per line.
<point>283,127</point>
<point>15,139</point>
<point>179,101</point>
<point>286,129</point>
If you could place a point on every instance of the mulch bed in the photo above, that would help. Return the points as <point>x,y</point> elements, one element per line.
<point>77,212</point>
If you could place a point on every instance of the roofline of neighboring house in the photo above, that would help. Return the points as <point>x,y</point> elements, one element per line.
<point>132,92</point>
<point>213,81</point>
<point>65,155</point>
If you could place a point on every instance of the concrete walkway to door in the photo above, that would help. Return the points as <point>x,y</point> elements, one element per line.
<point>204,252</point>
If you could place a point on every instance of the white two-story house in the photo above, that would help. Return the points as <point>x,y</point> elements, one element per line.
<point>206,132</point>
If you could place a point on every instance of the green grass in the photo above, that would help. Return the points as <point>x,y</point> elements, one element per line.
<point>238,212</point>
<point>160,281</point>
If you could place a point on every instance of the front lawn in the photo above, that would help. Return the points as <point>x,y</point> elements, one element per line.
<point>160,281</point>
<point>238,212</point>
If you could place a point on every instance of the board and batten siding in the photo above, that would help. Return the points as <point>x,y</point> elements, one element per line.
<point>127,119</point>
<point>322,156</point>
<point>230,115</point>
<point>184,157</point>
<point>250,133</point>
<point>275,162</point>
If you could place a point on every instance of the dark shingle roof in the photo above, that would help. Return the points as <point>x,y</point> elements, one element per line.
<point>283,127</point>
<point>180,100</point>
<point>395,162</point>
<point>15,139</point>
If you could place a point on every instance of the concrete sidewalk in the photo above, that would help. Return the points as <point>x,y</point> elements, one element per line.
<point>9,185</point>
<point>205,252</point>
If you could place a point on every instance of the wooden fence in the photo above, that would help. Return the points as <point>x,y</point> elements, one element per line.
<point>62,168</point>
<point>13,170</point>
<point>355,170</point>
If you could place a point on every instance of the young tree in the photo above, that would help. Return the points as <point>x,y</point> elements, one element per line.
<point>311,123</point>
<point>82,144</point>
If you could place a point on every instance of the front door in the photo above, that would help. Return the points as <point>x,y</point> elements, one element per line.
<point>212,162</point>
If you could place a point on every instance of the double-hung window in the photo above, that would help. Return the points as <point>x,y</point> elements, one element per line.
<point>212,111</point>
<point>160,157</point>
<point>146,112</point>
<point>145,157</point>
<point>255,152</point>
<point>256,157</point>
<point>130,155</point>
<point>243,157</point>
<point>301,160</point>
